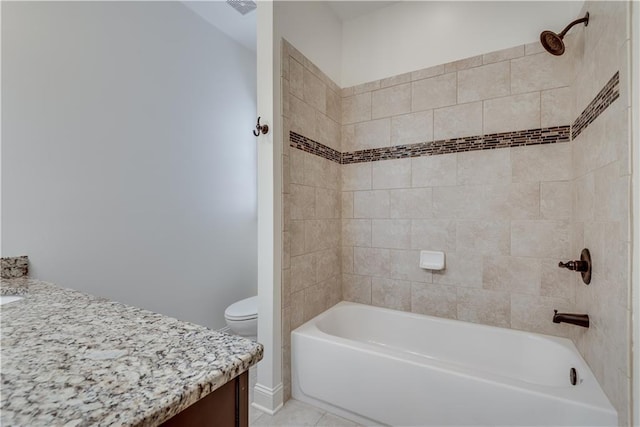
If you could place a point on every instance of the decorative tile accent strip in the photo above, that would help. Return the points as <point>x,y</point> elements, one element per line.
<point>15,267</point>
<point>310,146</point>
<point>609,93</point>
<point>456,145</point>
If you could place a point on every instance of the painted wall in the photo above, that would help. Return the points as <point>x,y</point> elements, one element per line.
<point>602,173</point>
<point>314,29</point>
<point>128,166</point>
<point>411,35</point>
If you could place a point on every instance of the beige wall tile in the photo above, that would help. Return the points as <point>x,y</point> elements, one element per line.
<point>284,88</point>
<point>556,199</point>
<point>371,261</point>
<point>373,134</point>
<point>296,79</point>
<point>296,167</point>
<point>511,274</point>
<point>328,131</point>
<point>348,138</point>
<point>434,300</point>
<point>371,204</point>
<point>391,101</point>
<point>503,55</point>
<point>356,176</point>
<point>533,48</point>
<point>347,204</point>
<point>425,73</point>
<point>315,301</point>
<point>460,202</point>
<point>315,92</point>
<point>433,234</point>
<point>328,264</point>
<point>286,174</point>
<point>434,92</point>
<point>461,269</point>
<point>321,234</point>
<point>549,162</point>
<point>395,80</point>
<point>484,306</point>
<point>412,128</point>
<point>356,108</point>
<point>483,237</point>
<point>347,259</point>
<point>513,201</point>
<point>511,113</point>
<point>391,174</point>
<point>539,72</point>
<point>366,87</point>
<point>303,202</point>
<point>484,167</point>
<point>434,171</point>
<point>414,203</point>
<point>540,239</point>
<point>391,233</point>
<point>356,232</point>
<point>535,313</point>
<point>297,309</point>
<point>286,250</point>
<point>303,118</point>
<point>327,203</point>
<point>405,265</point>
<point>334,105</point>
<point>457,121</point>
<point>463,64</point>
<point>296,236</point>
<point>356,288</point>
<point>485,82</point>
<point>556,282</point>
<point>390,293</point>
<point>303,271</point>
<point>555,107</point>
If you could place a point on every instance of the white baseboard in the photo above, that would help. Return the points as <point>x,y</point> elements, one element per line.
<point>268,400</point>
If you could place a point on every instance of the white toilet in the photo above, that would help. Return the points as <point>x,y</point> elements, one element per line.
<point>242,317</point>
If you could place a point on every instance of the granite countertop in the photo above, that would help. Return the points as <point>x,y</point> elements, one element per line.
<point>72,359</point>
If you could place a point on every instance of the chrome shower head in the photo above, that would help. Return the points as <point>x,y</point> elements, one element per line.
<point>553,42</point>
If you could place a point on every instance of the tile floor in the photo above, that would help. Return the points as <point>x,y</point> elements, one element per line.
<point>297,414</point>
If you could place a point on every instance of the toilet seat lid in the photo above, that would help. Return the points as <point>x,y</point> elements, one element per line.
<point>243,310</point>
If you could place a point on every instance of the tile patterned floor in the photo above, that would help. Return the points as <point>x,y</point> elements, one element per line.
<point>297,414</point>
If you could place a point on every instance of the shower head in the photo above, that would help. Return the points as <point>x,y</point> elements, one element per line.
<point>553,42</point>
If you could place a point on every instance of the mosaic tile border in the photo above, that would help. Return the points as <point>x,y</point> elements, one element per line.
<point>551,135</point>
<point>609,93</point>
<point>472,143</point>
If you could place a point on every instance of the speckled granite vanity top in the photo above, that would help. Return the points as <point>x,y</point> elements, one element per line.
<point>71,359</point>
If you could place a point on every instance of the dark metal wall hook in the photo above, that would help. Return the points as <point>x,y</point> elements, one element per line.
<point>260,129</point>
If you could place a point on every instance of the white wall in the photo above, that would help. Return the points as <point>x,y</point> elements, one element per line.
<point>314,29</point>
<point>411,35</point>
<point>128,164</point>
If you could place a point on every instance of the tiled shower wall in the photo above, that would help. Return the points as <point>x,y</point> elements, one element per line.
<point>601,203</point>
<point>311,280</point>
<point>502,216</point>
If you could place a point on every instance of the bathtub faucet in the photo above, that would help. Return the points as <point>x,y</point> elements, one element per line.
<point>574,319</point>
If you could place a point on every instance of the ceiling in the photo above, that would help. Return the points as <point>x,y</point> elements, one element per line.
<point>243,28</point>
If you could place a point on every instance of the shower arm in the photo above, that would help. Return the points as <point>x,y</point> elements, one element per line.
<point>576,22</point>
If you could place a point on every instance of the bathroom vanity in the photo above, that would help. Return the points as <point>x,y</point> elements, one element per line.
<point>73,359</point>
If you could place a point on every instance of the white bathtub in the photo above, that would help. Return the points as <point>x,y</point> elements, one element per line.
<point>380,366</point>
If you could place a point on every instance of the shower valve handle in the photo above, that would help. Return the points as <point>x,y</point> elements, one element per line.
<point>574,265</point>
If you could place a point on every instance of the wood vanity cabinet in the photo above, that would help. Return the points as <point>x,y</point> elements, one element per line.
<point>227,406</point>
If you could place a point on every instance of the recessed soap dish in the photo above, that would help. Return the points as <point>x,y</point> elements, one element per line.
<point>432,260</point>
